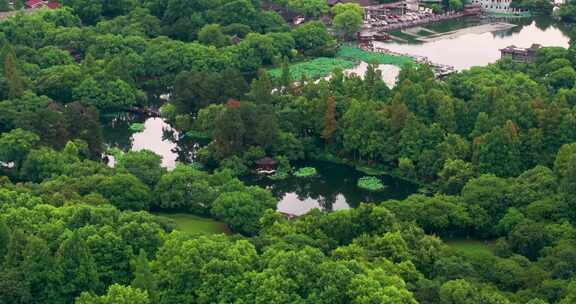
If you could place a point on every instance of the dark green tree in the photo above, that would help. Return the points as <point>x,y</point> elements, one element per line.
<point>78,267</point>
<point>43,278</point>
<point>12,74</point>
<point>4,240</point>
<point>286,77</point>
<point>143,277</point>
<point>261,89</point>
<point>330,125</point>
<point>229,132</point>
<point>4,5</point>
<point>144,164</point>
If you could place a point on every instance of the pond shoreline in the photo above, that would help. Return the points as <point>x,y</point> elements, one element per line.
<point>369,170</point>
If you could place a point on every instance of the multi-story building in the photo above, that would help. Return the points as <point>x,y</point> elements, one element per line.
<point>494,6</point>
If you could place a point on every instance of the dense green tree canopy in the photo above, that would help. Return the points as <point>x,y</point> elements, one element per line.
<point>491,148</point>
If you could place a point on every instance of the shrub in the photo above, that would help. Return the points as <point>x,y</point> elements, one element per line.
<point>306,172</point>
<point>371,183</point>
<point>137,127</point>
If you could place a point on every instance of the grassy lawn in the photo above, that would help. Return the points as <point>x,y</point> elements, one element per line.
<point>315,68</point>
<point>471,246</point>
<point>354,53</point>
<point>194,224</point>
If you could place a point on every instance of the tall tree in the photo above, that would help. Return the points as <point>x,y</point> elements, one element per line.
<point>4,5</point>
<point>84,124</point>
<point>12,74</point>
<point>286,78</point>
<point>329,120</point>
<point>143,278</point>
<point>41,275</point>
<point>78,266</point>
<point>4,240</point>
<point>309,8</point>
<point>145,165</point>
<point>499,151</point>
<point>211,34</point>
<point>15,250</point>
<point>229,132</point>
<point>117,294</point>
<point>347,24</point>
<point>261,88</point>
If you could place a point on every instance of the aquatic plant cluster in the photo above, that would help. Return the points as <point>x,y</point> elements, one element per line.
<point>314,69</point>
<point>371,183</point>
<point>306,172</point>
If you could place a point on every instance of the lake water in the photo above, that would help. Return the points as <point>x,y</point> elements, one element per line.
<point>335,186</point>
<point>466,49</point>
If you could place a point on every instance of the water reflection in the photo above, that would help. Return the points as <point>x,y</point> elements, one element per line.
<point>389,72</point>
<point>334,188</point>
<point>158,136</point>
<point>471,49</point>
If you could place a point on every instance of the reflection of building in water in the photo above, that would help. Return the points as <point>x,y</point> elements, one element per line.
<point>520,54</point>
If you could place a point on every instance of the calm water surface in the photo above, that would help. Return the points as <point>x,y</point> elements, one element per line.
<point>470,49</point>
<point>334,188</point>
<point>158,136</point>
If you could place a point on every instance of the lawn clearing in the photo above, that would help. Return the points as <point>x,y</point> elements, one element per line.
<point>194,224</point>
<point>471,246</point>
<point>315,68</point>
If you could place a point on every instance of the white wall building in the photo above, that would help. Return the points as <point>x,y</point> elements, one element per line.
<point>494,6</point>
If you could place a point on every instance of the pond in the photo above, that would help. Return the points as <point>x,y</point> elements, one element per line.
<point>157,136</point>
<point>463,43</point>
<point>334,188</point>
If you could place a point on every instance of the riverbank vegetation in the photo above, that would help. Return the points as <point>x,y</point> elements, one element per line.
<point>496,144</point>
